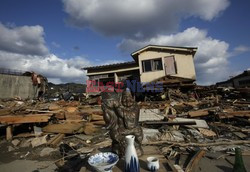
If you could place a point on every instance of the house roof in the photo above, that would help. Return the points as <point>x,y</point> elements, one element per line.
<point>110,65</point>
<point>192,50</point>
<point>245,73</point>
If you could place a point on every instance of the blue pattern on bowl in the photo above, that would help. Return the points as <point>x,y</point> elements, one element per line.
<point>103,161</point>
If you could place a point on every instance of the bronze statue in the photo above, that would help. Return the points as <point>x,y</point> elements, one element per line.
<point>121,115</point>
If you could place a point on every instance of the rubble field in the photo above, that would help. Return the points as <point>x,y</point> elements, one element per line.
<point>194,130</point>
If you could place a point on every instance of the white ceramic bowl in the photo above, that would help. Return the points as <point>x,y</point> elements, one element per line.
<point>153,163</point>
<point>103,162</point>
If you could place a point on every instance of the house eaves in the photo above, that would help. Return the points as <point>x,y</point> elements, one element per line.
<point>190,50</point>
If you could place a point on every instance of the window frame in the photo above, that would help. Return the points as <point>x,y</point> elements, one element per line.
<point>152,64</point>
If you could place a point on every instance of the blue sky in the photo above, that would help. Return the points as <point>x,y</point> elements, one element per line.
<point>56,38</point>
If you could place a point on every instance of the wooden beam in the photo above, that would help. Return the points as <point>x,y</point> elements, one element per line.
<point>194,161</point>
<point>19,119</point>
<point>55,140</point>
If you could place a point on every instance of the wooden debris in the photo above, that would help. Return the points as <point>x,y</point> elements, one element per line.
<point>20,119</point>
<point>55,140</point>
<point>229,113</point>
<point>198,113</point>
<point>64,128</point>
<point>170,123</point>
<point>240,135</point>
<point>206,132</point>
<point>194,161</point>
<point>54,107</point>
<point>233,142</point>
<point>96,117</point>
<point>89,128</point>
<point>171,165</point>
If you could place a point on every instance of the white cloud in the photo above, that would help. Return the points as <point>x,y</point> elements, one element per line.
<point>139,19</point>
<point>241,49</point>
<point>211,59</point>
<point>55,44</point>
<point>51,66</point>
<point>23,48</point>
<point>24,40</point>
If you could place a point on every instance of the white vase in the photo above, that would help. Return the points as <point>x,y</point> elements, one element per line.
<point>131,158</point>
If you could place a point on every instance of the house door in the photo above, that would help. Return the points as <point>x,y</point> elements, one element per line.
<point>170,66</point>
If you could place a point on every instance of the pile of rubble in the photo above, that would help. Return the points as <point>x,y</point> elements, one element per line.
<point>194,124</point>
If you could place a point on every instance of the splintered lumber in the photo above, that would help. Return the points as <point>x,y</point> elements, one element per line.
<point>194,161</point>
<point>20,119</point>
<point>235,142</point>
<point>55,140</point>
<point>64,128</point>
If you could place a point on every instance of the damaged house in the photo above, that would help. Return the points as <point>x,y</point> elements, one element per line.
<point>240,81</point>
<point>151,64</point>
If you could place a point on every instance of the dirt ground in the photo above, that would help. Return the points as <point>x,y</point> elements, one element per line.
<point>29,160</point>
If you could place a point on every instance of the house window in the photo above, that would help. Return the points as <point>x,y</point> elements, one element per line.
<point>152,65</point>
<point>147,65</point>
<point>244,82</point>
<point>157,64</point>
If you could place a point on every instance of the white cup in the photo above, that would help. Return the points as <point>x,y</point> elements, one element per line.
<point>153,163</point>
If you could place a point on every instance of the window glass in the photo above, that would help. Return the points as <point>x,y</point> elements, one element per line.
<point>152,65</point>
<point>147,65</point>
<point>157,64</point>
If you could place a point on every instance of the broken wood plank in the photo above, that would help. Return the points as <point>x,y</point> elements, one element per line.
<point>198,113</point>
<point>173,169</point>
<point>194,161</point>
<point>19,119</point>
<point>202,112</point>
<point>240,135</point>
<point>56,140</point>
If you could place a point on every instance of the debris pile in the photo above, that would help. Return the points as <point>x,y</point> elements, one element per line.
<point>184,127</point>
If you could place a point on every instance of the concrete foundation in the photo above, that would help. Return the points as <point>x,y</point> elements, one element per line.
<point>17,86</point>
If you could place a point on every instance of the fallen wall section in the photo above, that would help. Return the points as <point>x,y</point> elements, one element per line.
<point>16,86</point>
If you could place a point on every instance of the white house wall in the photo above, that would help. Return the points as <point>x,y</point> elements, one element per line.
<point>184,63</point>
